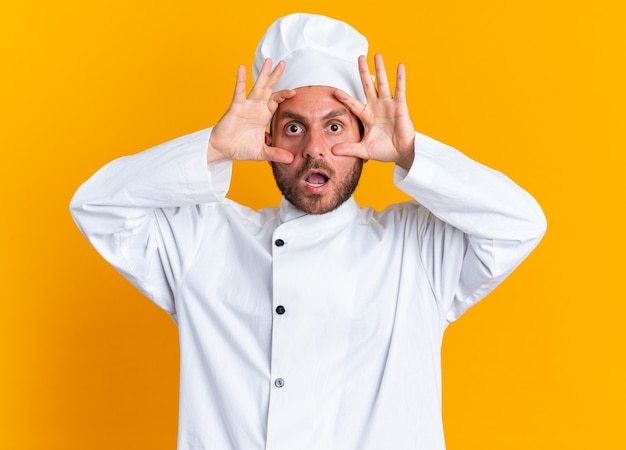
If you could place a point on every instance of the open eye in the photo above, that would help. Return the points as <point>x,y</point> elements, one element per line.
<point>293,128</point>
<point>335,127</point>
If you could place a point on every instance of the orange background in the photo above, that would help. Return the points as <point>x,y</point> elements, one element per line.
<point>534,88</point>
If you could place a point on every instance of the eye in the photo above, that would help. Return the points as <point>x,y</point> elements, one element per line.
<point>335,127</point>
<point>293,128</point>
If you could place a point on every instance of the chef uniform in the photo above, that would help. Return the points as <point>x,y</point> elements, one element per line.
<point>308,332</point>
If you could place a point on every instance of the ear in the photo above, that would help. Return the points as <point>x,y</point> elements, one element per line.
<point>268,139</point>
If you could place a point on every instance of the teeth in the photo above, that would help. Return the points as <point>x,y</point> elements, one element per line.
<point>316,180</point>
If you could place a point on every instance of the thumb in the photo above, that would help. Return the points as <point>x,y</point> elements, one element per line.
<point>277,154</point>
<point>355,149</point>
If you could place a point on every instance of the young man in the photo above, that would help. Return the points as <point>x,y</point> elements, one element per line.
<point>316,324</point>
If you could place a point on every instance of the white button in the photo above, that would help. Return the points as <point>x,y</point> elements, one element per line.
<point>279,382</point>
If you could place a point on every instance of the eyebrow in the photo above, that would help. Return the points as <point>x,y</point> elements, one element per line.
<point>299,117</point>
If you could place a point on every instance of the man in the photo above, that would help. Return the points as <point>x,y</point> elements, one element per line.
<point>316,324</point>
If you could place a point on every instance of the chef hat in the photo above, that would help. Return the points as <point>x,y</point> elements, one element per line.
<point>317,50</point>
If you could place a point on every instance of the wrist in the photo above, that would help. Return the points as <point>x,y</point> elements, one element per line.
<point>407,155</point>
<point>406,161</point>
<point>213,154</point>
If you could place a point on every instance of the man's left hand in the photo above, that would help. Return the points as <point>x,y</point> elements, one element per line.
<point>389,132</point>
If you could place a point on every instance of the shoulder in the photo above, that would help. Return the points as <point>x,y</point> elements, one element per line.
<point>225,210</point>
<point>395,213</point>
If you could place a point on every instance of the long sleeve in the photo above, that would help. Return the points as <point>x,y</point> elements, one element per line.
<point>500,223</point>
<point>123,209</point>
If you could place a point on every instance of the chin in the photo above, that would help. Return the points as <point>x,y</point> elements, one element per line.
<point>318,208</point>
<point>312,204</point>
<point>318,203</point>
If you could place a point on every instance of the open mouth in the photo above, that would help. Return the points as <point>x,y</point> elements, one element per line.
<point>316,179</point>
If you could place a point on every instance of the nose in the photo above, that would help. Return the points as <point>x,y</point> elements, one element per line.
<point>315,146</point>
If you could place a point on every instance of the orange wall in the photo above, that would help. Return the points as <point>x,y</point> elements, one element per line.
<point>534,88</point>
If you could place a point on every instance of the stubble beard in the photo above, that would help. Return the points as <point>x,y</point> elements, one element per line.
<point>317,203</point>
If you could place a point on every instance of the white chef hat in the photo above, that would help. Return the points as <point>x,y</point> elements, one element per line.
<point>317,50</point>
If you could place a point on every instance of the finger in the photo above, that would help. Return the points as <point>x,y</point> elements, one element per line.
<point>264,84</point>
<point>281,96</point>
<point>400,93</point>
<point>267,80</point>
<point>240,85</point>
<point>278,97</point>
<point>354,106</point>
<point>384,90</point>
<point>277,73</point>
<point>366,79</point>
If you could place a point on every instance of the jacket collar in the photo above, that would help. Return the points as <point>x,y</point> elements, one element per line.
<point>346,212</point>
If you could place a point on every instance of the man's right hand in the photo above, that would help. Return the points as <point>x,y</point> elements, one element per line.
<point>240,133</point>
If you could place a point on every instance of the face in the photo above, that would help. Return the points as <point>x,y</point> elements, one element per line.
<point>308,125</point>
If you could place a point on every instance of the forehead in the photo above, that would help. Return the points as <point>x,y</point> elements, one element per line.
<point>311,102</point>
